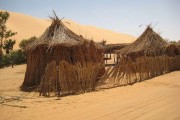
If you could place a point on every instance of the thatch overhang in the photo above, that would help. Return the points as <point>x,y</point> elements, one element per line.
<point>172,49</point>
<point>112,48</point>
<point>57,34</point>
<point>148,44</point>
<point>178,44</point>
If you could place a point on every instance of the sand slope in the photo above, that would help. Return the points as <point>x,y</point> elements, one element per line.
<point>155,99</point>
<point>27,26</point>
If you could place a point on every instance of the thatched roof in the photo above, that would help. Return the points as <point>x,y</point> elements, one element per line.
<point>148,44</point>
<point>172,50</point>
<point>58,34</point>
<point>111,48</point>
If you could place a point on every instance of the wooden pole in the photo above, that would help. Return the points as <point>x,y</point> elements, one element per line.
<point>114,58</point>
<point>57,79</point>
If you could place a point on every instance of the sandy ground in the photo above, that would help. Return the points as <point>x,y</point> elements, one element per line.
<point>155,99</point>
<point>27,26</point>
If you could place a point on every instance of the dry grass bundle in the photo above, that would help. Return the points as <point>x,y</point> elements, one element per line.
<point>111,48</point>
<point>63,78</point>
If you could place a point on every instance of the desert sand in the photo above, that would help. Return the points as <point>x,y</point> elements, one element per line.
<point>27,26</point>
<point>155,99</point>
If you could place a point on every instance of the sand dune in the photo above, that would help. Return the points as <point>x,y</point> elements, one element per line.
<point>155,99</point>
<point>25,26</point>
<point>28,26</point>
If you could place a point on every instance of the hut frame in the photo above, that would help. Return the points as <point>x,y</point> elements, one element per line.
<point>61,62</point>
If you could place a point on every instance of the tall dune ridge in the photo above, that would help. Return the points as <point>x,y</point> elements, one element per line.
<point>27,26</point>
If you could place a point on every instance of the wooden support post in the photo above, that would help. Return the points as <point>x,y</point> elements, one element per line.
<point>114,58</point>
<point>57,79</point>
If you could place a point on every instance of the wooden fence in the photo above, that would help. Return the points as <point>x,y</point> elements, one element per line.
<point>62,78</point>
<point>129,71</point>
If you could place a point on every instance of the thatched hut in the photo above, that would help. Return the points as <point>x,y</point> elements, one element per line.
<point>63,62</point>
<point>146,57</point>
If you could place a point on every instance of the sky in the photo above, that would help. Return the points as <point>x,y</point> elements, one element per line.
<point>124,16</point>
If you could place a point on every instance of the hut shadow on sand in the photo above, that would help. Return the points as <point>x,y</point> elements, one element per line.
<point>62,62</point>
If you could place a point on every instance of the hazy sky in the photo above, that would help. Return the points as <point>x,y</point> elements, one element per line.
<point>118,15</point>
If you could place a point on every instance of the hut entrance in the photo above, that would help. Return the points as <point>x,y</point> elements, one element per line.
<point>110,54</point>
<point>50,80</point>
<point>110,59</point>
